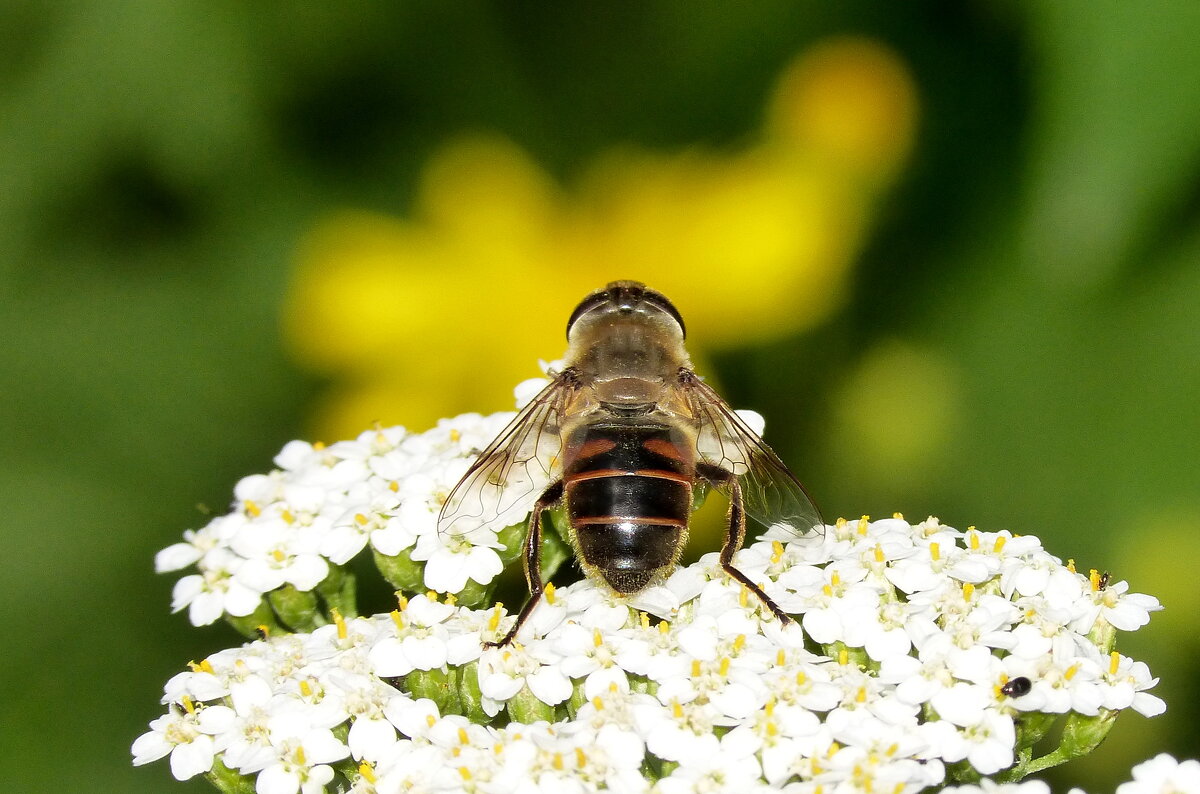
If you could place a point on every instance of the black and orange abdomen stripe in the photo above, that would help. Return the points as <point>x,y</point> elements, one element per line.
<point>628,493</point>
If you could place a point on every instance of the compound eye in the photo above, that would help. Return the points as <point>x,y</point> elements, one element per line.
<point>660,300</point>
<point>595,300</point>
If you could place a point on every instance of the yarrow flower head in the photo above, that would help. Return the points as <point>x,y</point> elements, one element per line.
<point>920,655</point>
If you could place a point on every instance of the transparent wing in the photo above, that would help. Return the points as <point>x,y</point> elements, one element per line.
<point>773,496</point>
<point>503,483</point>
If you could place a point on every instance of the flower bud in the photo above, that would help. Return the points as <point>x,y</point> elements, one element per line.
<point>297,609</point>
<point>525,707</point>
<point>439,686</point>
<point>401,571</point>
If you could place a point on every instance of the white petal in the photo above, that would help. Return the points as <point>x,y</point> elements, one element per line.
<point>150,747</point>
<point>277,780</point>
<point>193,758</point>
<point>549,685</point>
<point>371,739</point>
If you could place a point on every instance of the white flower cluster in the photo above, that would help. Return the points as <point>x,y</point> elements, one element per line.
<point>324,504</point>
<point>919,646</point>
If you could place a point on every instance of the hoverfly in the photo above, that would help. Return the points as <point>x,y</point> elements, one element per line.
<point>621,438</point>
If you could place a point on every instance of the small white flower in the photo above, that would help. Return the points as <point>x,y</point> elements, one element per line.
<point>302,755</point>
<point>452,560</point>
<point>418,641</point>
<point>215,591</point>
<point>1163,775</point>
<point>503,672</point>
<point>187,735</point>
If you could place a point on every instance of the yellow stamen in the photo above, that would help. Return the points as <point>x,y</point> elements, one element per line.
<point>360,519</point>
<point>645,620</point>
<point>999,545</point>
<point>898,515</point>
<point>1114,663</point>
<point>892,750</point>
<point>464,772</point>
<point>676,710</point>
<point>739,642</point>
<point>663,627</point>
<point>723,667</point>
<point>597,638</point>
<point>772,728</point>
<point>776,552</point>
<point>300,759</point>
<point>801,678</point>
<point>318,445</point>
<point>935,552</point>
<point>432,595</point>
<point>451,599</point>
<point>287,517</point>
<point>430,720</point>
<point>879,553</point>
<point>1071,565</point>
<point>401,600</point>
<point>455,436</point>
<point>827,590</point>
<point>580,758</point>
<point>462,736</point>
<point>743,597</point>
<point>696,668</point>
<point>394,486</point>
<point>780,658</point>
<point>398,619</point>
<point>548,592</point>
<point>1094,578</point>
<point>861,697</point>
<point>968,591</point>
<point>305,688</point>
<point>598,703</point>
<point>188,705</point>
<point>841,523</point>
<point>339,621</point>
<point>279,555</point>
<point>494,620</point>
<point>769,708</point>
<point>862,524</point>
<point>843,657</point>
<point>972,538</point>
<point>252,509</point>
<point>557,763</point>
<point>1071,671</point>
<point>367,772</point>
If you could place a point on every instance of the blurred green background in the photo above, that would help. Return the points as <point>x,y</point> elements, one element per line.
<point>1015,341</point>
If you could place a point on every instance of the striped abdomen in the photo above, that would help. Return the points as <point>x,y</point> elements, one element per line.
<point>628,490</point>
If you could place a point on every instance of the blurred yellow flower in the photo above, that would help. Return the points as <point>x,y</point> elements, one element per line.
<point>898,410</point>
<point>413,319</point>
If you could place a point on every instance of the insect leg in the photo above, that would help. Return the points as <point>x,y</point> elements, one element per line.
<point>532,560</point>
<point>735,534</point>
